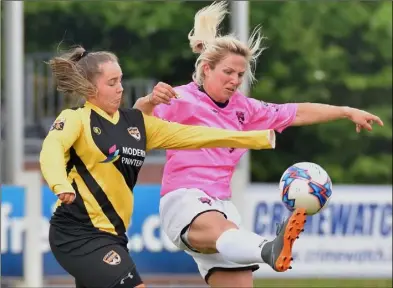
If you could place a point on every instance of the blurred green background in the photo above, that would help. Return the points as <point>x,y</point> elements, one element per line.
<point>329,52</point>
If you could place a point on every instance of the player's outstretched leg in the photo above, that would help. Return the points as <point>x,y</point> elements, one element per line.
<point>278,253</point>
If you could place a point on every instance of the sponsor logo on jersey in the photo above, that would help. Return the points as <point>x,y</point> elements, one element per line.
<point>97,130</point>
<point>113,155</point>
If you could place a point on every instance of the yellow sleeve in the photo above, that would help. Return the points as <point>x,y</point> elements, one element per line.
<point>161,134</point>
<point>62,135</point>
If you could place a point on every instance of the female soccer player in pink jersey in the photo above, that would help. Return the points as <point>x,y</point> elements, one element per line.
<point>195,208</point>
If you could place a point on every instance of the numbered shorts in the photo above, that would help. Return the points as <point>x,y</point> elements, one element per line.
<point>177,211</point>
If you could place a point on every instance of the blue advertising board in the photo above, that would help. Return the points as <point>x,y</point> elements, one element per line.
<point>149,248</point>
<point>351,238</point>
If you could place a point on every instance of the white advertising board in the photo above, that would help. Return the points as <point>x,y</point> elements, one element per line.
<point>352,237</point>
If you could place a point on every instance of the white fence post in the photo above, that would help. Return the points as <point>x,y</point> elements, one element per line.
<point>33,258</point>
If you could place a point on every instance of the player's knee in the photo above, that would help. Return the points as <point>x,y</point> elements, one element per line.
<point>206,229</point>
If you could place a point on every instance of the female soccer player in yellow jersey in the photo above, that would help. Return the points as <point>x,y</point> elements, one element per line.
<point>91,158</point>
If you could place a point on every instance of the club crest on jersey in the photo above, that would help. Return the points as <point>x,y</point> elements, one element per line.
<point>240,116</point>
<point>134,132</point>
<point>112,258</point>
<point>58,124</point>
<point>205,200</point>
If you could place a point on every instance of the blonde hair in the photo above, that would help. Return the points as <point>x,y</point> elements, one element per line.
<point>75,71</point>
<point>205,40</point>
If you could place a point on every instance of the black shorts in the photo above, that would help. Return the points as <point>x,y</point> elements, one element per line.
<point>97,261</point>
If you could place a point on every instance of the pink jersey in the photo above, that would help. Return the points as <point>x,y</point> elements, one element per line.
<point>210,170</point>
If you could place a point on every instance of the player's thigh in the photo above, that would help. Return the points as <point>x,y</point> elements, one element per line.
<point>109,266</point>
<point>206,228</point>
<point>183,208</point>
<point>231,278</point>
<point>114,266</point>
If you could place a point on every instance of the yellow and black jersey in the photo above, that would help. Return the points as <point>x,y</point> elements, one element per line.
<point>98,157</point>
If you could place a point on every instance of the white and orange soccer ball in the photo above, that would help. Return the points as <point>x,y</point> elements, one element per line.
<point>305,185</point>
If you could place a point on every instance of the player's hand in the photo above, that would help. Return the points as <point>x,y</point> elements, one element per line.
<point>162,94</point>
<point>66,197</point>
<point>363,119</point>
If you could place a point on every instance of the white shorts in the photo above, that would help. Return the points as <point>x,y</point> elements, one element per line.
<point>177,211</point>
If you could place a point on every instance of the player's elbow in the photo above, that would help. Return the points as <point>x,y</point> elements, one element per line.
<point>48,152</point>
<point>43,159</point>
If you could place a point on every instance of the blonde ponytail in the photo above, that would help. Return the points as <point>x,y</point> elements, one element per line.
<point>255,50</point>
<point>212,47</point>
<point>206,24</point>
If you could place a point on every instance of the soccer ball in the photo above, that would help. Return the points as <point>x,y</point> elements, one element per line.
<point>305,185</point>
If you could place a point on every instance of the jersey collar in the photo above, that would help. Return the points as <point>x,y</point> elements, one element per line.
<point>103,114</point>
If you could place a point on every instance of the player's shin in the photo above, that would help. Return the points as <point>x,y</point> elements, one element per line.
<point>240,246</point>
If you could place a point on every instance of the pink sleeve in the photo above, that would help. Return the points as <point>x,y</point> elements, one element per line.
<point>166,112</point>
<point>270,116</point>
